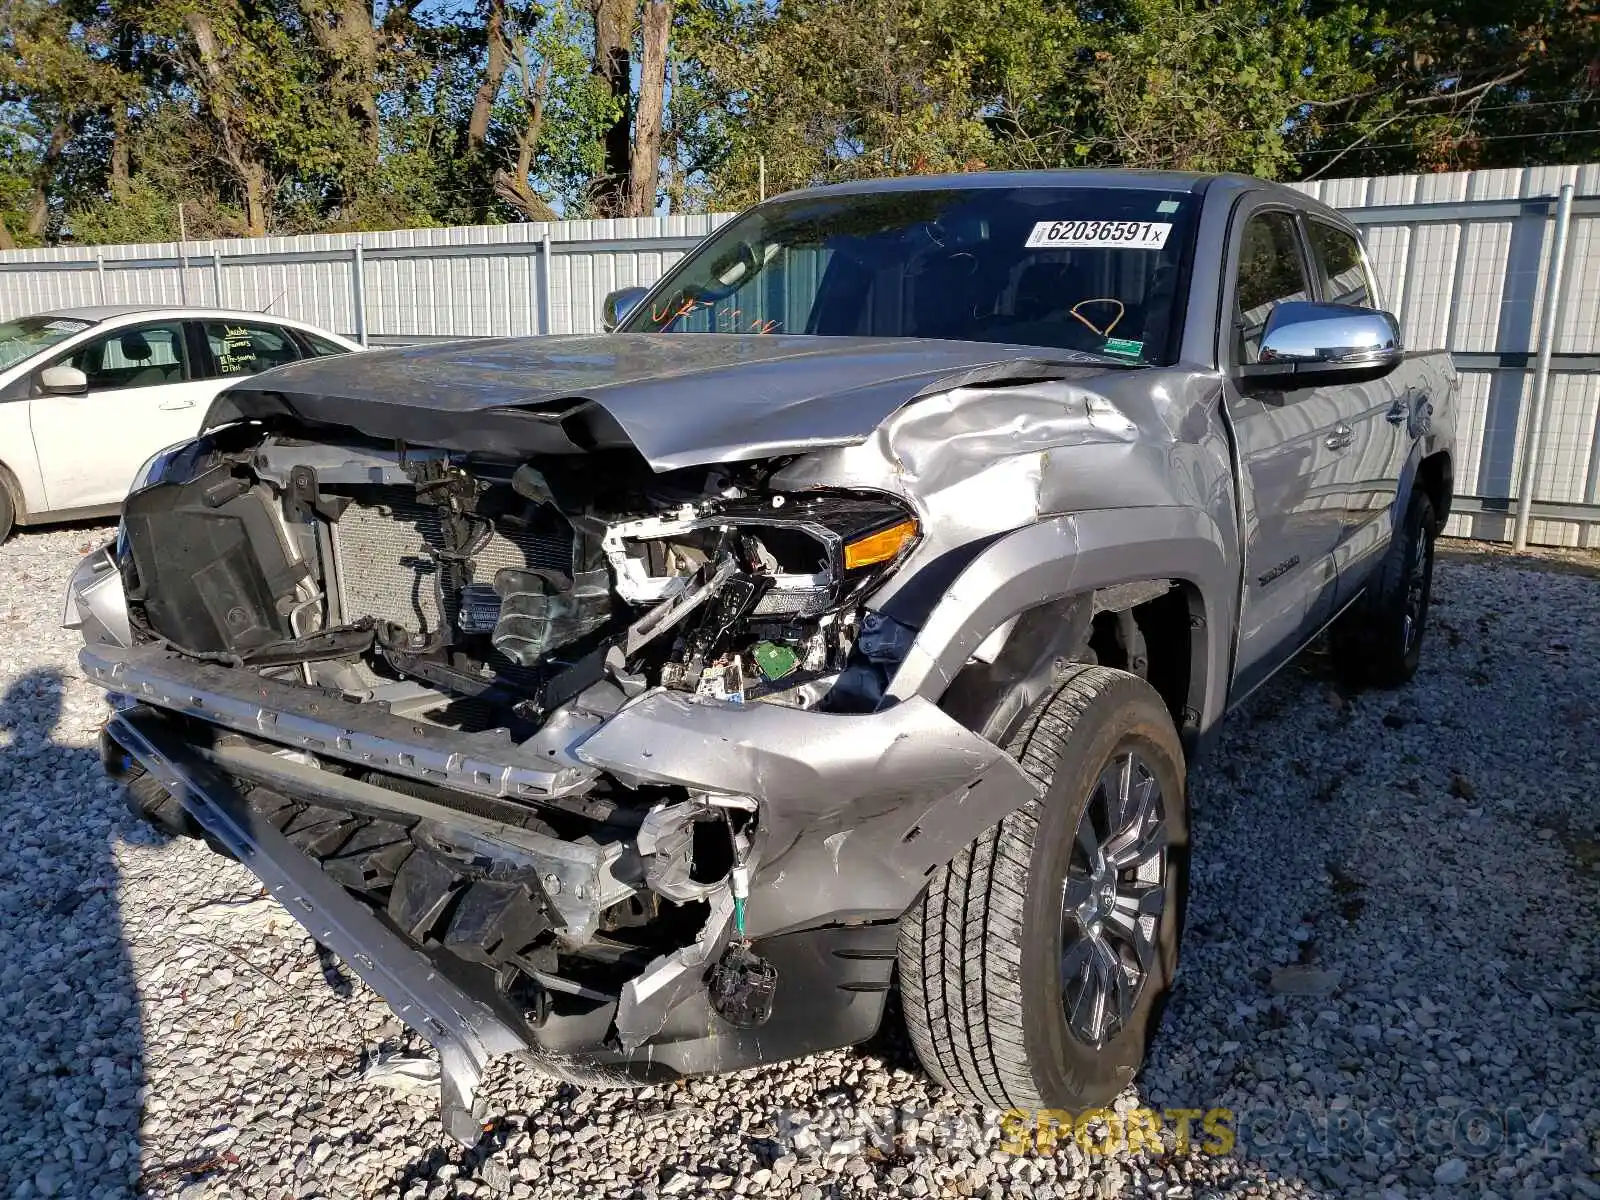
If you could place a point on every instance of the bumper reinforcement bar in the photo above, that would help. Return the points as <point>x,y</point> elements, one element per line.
<point>464,1031</point>
<point>364,735</point>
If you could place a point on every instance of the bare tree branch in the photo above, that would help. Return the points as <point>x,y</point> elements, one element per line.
<point>1365,137</point>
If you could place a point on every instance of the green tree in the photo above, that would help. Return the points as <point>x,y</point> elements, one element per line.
<point>825,90</point>
<point>290,116</point>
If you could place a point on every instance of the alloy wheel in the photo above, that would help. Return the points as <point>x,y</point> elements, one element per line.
<point>1112,900</point>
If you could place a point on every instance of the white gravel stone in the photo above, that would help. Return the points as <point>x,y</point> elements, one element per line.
<point>165,1030</point>
<point>1450,1172</point>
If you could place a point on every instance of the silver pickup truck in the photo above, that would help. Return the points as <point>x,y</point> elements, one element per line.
<point>655,702</point>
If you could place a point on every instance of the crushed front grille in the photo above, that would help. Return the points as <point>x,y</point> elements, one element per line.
<point>388,569</point>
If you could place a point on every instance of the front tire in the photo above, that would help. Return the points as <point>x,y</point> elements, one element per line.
<point>8,514</point>
<point>1034,966</point>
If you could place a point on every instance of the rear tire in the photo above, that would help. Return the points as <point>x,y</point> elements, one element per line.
<point>1004,954</point>
<point>8,514</point>
<point>1377,642</point>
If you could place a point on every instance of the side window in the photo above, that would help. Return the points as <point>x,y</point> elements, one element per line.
<point>1341,267</point>
<point>240,349</point>
<point>1271,272</point>
<point>321,347</point>
<point>141,356</point>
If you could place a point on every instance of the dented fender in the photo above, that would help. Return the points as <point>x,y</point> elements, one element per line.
<point>1071,555</point>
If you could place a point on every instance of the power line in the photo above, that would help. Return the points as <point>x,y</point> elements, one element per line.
<point>1493,137</point>
<point>1421,112</point>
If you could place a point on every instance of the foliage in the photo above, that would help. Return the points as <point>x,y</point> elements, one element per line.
<point>289,116</point>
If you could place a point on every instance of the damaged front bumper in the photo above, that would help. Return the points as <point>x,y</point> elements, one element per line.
<point>851,813</point>
<point>466,1032</point>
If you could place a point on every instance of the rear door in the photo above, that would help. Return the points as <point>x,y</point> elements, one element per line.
<point>1288,446</point>
<point>236,349</point>
<point>1379,414</point>
<point>144,394</point>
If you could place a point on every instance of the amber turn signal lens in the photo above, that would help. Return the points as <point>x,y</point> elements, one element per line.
<point>879,547</point>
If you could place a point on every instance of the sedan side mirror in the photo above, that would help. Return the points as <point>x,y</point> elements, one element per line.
<point>63,380</point>
<point>618,305</point>
<point>1314,345</point>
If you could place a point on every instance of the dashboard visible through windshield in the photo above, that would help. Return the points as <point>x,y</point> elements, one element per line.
<point>1073,268</point>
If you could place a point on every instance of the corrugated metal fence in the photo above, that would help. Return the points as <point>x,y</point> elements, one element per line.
<point>400,286</point>
<point>1464,259</point>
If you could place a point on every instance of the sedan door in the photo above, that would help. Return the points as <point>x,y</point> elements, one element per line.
<point>144,393</point>
<point>1288,445</point>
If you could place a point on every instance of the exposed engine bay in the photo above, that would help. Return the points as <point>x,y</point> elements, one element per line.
<point>505,590</point>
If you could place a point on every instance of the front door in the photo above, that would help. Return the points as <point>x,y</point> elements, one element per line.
<point>144,394</point>
<point>1383,415</point>
<point>1288,446</point>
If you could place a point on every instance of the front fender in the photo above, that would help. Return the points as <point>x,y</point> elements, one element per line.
<point>1071,554</point>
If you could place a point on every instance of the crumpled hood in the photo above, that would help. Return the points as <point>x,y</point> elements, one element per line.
<point>679,399</point>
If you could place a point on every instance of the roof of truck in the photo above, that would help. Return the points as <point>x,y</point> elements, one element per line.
<point>1123,178</point>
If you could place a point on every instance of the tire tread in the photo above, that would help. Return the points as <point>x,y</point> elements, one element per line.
<point>962,941</point>
<point>1363,636</point>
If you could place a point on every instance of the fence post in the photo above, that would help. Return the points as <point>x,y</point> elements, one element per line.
<point>1549,320</point>
<point>183,259</point>
<point>216,277</point>
<point>358,291</point>
<point>547,320</point>
<point>100,274</point>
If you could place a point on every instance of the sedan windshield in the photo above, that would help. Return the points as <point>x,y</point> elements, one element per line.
<point>29,335</point>
<point>1073,268</point>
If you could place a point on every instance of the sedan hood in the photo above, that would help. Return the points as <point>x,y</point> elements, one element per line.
<point>679,399</point>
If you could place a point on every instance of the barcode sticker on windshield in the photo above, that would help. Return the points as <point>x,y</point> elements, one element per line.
<point>1101,235</point>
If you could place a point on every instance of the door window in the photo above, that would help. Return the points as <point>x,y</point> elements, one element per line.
<point>143,356</point>
<point>1271,272</point>
<point>1343,269</point>
<point>240,349</point>
<point>321,347</point>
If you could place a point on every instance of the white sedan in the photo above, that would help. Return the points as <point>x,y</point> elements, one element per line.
<point>87,395</point>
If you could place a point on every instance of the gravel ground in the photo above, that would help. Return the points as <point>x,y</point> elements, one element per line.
<point>1389,982</point>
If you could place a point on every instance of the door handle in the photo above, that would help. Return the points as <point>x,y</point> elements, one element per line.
<point>1414,410</point>
<point>175,405</point>
<point>1341,437</point>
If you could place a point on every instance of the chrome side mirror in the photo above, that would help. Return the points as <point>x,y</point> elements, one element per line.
<point>63,380</point>
<point>618,305</point>
<point>1313,345</point>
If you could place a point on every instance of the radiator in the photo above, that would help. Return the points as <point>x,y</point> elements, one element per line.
<point>386,571</point>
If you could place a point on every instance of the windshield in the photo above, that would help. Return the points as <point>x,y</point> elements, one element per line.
<point>1073,268</point>
<point>29,335</point>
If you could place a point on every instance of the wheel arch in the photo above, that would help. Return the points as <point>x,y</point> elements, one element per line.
<point>12,487</point>
<point>1053,569</point>
<point>1436,477</point>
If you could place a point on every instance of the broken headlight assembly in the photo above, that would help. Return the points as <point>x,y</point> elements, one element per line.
<point>814,552</point>
<point>175,462</point>
<point>773,583</point>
